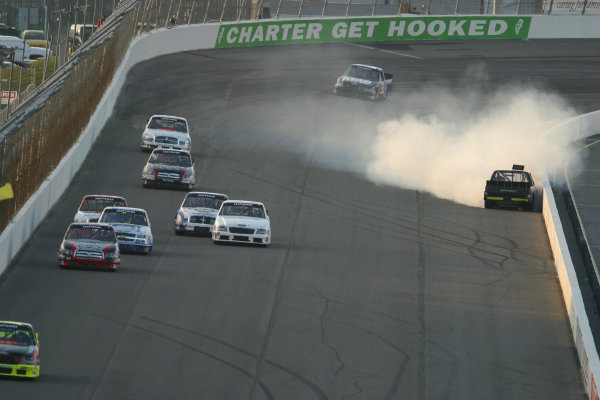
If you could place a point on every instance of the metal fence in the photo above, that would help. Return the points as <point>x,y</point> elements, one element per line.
<point>44,126</point>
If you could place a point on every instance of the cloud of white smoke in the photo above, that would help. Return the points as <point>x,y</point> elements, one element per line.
<point>452,150</point>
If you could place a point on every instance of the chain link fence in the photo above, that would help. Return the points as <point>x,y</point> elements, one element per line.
<point>41,129</point>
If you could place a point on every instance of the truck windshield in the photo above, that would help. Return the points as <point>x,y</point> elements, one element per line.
<point>175,159</point>
<point>100,203</point>
<point>363,73</point>
<point>119,216</point>
<point>100,234</point>
<point>203,202</point>
<point>243,210</point>
<point>16,335</point>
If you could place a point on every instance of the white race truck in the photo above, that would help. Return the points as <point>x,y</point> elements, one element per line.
<point>364,81</point>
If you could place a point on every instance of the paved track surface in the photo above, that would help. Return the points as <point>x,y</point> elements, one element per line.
<point>367,292</point>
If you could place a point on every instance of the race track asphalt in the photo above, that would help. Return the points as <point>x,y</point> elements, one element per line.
<point>367,292</point>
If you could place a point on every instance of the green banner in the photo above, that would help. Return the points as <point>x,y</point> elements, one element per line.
<point>372,30</point>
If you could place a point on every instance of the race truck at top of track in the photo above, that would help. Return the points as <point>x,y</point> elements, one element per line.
<point>166,131</point>
<point>364,81</point>
<point>510,188</point>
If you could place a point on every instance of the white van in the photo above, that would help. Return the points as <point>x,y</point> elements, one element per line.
<point>17,44</point>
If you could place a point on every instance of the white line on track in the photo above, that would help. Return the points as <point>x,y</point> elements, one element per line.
<point>385,51</point>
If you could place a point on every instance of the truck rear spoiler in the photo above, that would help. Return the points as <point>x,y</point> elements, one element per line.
<point>517,167</point>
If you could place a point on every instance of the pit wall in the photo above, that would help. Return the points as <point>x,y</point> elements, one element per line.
<point>195,37</point>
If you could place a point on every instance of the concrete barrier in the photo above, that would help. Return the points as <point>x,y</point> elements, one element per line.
<point>574,129</point>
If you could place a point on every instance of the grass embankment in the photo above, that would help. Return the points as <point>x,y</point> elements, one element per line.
<point>34,72</point>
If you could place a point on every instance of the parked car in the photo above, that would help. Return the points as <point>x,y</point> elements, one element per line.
<point>22,49</point>
<point>6,30</point>
<point>35,38</point>
<point>78,34</point>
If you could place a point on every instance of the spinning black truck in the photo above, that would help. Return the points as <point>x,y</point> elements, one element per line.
<point>510,188</point>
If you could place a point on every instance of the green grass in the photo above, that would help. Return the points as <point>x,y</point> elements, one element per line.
<point>34,72</point>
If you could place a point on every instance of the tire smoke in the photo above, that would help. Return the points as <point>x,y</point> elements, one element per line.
<point>453,150</point>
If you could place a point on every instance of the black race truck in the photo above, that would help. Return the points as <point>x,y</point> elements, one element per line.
<point>510,188</point>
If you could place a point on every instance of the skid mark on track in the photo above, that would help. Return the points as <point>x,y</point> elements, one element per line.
<point>395,382</point>
<point>262,386</point>
<point>486,248</point>
<point>277,298</point>
<point>312,386</point>
<point>324,340</point>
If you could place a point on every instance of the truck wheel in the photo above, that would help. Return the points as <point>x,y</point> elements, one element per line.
<point>489,204</point>
<point>531,204</point>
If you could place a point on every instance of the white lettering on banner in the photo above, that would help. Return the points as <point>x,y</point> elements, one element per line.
<point>355,29</point>
<point>339,30</point>
<point>436,28</point>
<point>398,30</point>
<point>416,28</point>
<point>314,31</point>
<point>476,28</point>
<point>497,27</point>
<point>272,32</point>
<point>371,27</point>
<point>258,34</point>
<point>230,38</point>
<point>245,34</point>
<point>456,28</point>
<point>298,32</point>
<point>351,30</point>
<point>286,28</point>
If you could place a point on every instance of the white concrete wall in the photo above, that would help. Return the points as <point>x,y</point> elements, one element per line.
<point>564,27</point>
<point>574,129</point>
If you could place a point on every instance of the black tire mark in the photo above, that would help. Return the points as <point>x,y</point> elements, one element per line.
<point>312,386</point>
<point>263,387</point>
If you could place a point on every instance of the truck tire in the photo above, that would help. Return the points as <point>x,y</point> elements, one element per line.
<point>489,204</point>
